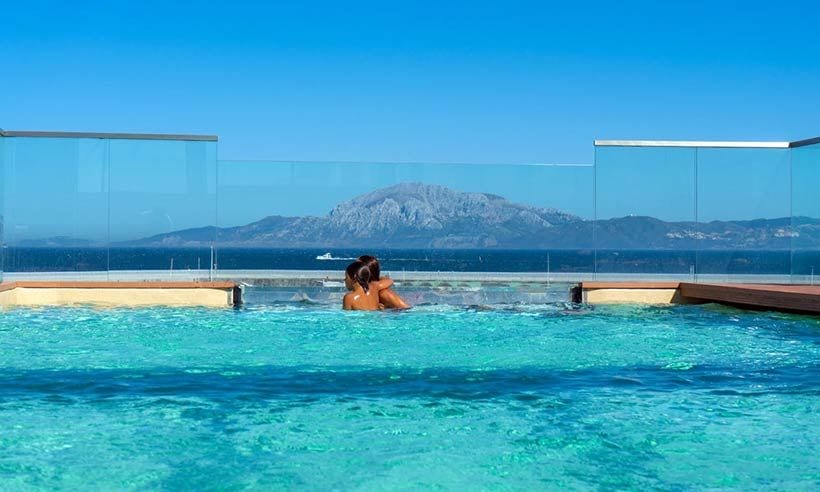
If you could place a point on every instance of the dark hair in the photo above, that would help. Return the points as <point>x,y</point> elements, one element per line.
<point>359,273</point>
<point>373,264</point>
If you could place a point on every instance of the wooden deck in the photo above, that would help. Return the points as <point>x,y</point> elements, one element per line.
<point>788,298</point>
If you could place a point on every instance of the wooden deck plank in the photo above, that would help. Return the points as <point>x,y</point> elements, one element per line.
<point>796,298</point>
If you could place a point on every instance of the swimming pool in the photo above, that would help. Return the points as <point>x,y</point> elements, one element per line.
<point>516,396</point>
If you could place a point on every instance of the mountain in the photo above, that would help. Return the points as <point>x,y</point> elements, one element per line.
<point>411,215</point>
<point>420,215</point>
<point>416,215</point>
<point>636,232</point>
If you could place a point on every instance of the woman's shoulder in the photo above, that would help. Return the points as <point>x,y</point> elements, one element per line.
<point>347,300</point>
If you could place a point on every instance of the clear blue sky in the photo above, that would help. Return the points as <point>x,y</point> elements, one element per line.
<point>424,81</point>
<point>471,81</point>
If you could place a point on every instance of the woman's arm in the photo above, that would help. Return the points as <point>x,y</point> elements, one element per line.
<point>382,284</point>
<point>392,300</point>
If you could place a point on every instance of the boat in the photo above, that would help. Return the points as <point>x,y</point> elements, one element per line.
<point>326,256</point>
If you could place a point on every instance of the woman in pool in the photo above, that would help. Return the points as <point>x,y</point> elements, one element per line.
<point>364,294</point>
<point>387,297</point>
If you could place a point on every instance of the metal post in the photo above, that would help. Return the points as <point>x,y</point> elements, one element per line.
<point>548,269</point>
<point>211,265</point>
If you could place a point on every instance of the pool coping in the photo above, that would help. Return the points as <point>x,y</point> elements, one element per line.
<point>54,293</point>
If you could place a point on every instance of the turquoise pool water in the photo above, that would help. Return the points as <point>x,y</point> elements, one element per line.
<point>307,396</point>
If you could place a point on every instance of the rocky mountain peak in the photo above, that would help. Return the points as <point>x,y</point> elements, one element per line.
<point>425,207</point>
<point>416,215</point>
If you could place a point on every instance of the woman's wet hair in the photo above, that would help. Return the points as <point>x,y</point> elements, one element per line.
<point>359,273</point>
<point>373,264</point>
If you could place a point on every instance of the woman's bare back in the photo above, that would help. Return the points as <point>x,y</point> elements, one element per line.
<point>359,300</point>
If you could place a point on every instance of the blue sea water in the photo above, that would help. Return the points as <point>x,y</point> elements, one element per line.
<point>679,262</point>
<point>509,396</point>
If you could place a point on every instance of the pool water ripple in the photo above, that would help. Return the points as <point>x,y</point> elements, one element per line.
<point>507,396</point>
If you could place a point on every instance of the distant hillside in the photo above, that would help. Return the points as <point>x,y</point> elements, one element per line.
<point>409,215</point>
<point>415,215</point>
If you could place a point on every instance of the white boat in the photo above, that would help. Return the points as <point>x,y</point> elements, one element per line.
<point>326,256</point>
<point>332,283</point>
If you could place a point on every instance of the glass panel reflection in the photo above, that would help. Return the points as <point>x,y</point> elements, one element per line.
<point>56,210</point>
<point>645,210</point>
<point>744,214</point>
<point>806,214</point>
<point>83,207</point>
<point>163,208</point>
<point>415,217</point>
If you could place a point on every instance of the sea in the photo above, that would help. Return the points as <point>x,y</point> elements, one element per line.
<point>752,262</point>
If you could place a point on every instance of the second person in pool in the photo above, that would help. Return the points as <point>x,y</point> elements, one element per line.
<point>387,297</point>
<point>368,291</point>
